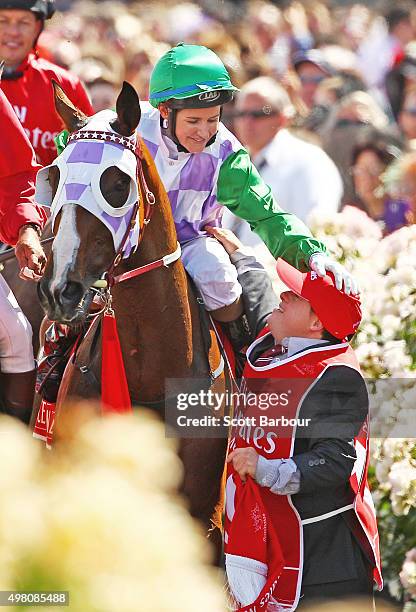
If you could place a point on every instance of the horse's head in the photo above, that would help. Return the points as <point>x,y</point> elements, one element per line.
<point>92,190</point>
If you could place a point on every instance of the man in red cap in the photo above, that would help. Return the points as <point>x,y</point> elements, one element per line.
<point>21,222</point>
<point>308,454</point>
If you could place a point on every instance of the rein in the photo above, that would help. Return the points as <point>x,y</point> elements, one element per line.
<point>163,261</point>
<point>109,279</point>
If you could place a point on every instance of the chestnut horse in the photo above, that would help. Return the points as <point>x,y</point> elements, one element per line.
<point>157,317</point>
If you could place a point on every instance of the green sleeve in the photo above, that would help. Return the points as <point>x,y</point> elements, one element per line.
<point>242,190</point>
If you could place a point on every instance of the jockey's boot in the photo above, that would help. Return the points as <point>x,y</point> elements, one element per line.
<point>235,324</point>
<point>16,394</point>
<point>238,332</point>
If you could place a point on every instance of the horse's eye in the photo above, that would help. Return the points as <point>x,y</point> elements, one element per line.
<point>122,184</point>
<point>115,186</point>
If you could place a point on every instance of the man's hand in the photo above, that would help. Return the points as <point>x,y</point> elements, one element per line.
<point>244,461</point>
<point>29,252</point>
<point>227,238</point>
<point>321,264</point>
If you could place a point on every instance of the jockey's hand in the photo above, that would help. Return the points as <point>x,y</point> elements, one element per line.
<point>227,238</point>
<point>321,264</point>
<point>244,461</point>
<point>29,252</point>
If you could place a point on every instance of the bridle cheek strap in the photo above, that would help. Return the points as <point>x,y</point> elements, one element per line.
<point>140,214</point>
<point>144,214</point>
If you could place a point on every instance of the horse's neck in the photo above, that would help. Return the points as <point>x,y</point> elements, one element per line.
<point>160,331</point>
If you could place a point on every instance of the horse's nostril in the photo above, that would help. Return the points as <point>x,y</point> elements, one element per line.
<point>72,292</point>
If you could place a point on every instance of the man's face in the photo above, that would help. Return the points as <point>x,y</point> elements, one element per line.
<point>256,122</point>
<point>18,31</point>
<point>310,77</point>
<point>294,317</point>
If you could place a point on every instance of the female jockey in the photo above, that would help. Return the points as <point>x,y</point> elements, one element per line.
<point>203,166</point>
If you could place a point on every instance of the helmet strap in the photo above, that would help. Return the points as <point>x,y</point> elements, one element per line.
<point>168,127</point>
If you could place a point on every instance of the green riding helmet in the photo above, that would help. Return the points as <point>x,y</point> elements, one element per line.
<point>190,76</point>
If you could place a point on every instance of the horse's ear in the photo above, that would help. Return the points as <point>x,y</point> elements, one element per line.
<point>1,68</point>
<point>73,118</point>
<point>128,111</point>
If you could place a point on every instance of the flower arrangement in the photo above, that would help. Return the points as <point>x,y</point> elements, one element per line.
<point>386,348</point>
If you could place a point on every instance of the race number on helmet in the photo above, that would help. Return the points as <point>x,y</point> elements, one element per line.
<point>190,71</point>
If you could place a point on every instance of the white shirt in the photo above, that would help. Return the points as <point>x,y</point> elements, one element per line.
<point>295,344</point>
<point>302,177</point>
<point>300,174</point>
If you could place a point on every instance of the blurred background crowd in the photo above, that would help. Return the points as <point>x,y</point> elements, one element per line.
<point>337,88</point>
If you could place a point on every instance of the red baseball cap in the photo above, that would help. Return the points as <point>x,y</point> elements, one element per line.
<point>339,313</point>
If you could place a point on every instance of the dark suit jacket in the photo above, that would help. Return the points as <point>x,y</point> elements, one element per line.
<point>337,405</point>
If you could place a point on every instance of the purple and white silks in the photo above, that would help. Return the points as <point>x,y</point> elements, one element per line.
<point>189,179</point>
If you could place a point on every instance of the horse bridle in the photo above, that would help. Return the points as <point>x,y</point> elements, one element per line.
<point>108,279</point>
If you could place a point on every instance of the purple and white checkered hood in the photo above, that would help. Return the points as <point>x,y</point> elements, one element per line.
<point>81,166</point>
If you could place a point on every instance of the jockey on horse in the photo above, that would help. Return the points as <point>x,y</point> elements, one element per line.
<point>204,167</point>
<point>21,221</point>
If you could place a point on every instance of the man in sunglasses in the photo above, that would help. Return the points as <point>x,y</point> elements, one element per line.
<point>311,69</point>
<point>302,177</point>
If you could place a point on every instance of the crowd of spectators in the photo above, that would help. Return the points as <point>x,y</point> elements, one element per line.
<point>330,84</point>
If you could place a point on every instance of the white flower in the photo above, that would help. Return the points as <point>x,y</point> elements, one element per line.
<point>383,471</point>
<point>390,324</point>
<point>395,356</point>
<point>402,479</point>
<point>98,517</point>
<point>408,573</point>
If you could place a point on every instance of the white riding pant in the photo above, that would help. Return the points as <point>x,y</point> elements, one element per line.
<point>209,266</point>
<point>16,352</point>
